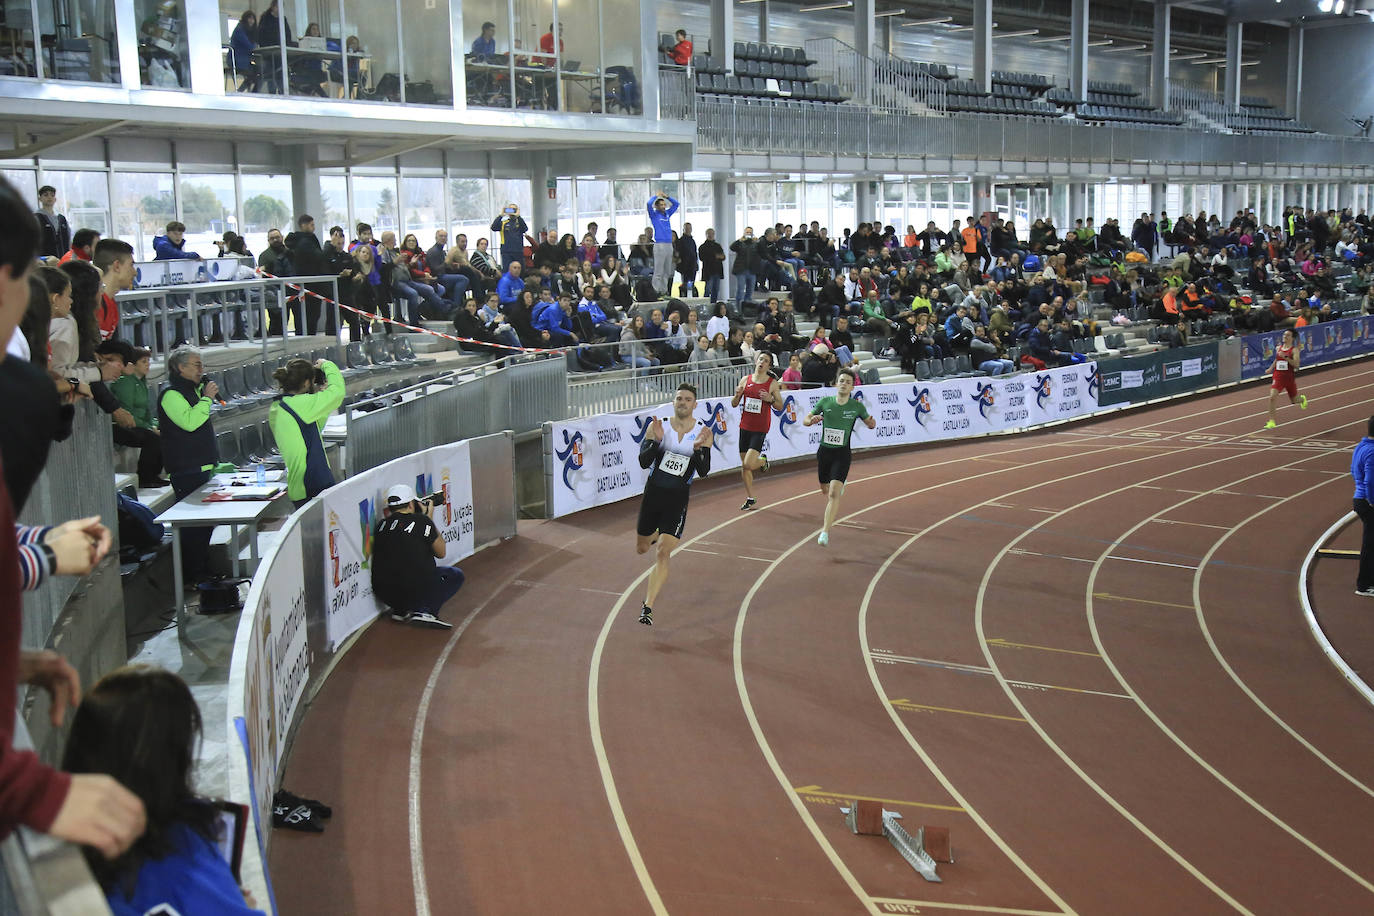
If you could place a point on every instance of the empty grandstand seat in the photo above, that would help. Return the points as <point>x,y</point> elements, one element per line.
<point>922,370</point>
<point>751,50</point>
<point>789,55</point>
<point>227,444</point>
<point>250,445</point>
<point>741,51</point>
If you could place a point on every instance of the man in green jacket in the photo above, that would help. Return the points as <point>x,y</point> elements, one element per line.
<point>310,394</point>
<point>131,390</point>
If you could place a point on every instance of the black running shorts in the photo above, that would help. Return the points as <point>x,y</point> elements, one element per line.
<point>663,509</point>
<point>749,439</point>
<point>832,463</point>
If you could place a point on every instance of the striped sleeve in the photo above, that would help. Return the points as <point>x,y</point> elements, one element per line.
<point>34,566</point>
<point>31,534</point>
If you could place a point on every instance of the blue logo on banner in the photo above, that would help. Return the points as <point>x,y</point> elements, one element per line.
<point>984,398</point>
<point>642,425</point>
<point>1093,381</point>
<point>570,454</point>
<point>920,399</point>
<point>1043,390</point>
<point>787,416</point>
<point>716,420</point>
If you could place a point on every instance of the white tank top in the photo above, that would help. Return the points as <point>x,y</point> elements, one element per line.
<point>673,468</point>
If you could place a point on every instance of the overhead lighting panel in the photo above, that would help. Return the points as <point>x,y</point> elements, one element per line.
<point>896,12</point>
<point>1050,38</point>
<point>818,7</point>
<point>935,21</point>
<point>1021,34</point>
<point>1100,43</point>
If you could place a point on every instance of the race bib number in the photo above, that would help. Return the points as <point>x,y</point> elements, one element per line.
<point>753,405</point>
<point>1281,366</point>
<point>674,463</point>
<point>832,436</point>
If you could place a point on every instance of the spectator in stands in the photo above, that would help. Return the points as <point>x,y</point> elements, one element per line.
<point>484,263</point>
<point>511,228</point>
<point>115,261</point>
<point>311,392</point>
<point>72,333</point>
<point>83,246</point>
<point>360,287</point>
<point>242,43</point>
<point>792,376</point>
<point>661,208</point>
<point>686,260</point>
<point>633,350</point>
<point>469,324</point>
<point>131,390</point>
<point>718,323</point>
<point>746,267</point>
<point>712,257</point>
<point>1040,347</point>
<point>457,262</point>
<point>682,51</point>
<point>484,45</point>
<point>56,238</point>
<point>421,276</point>
<point>140,725</point>
<point>309,260</point>
<point>987,356</point>
<point>510,285</point>
<point>405,544</point>
<point>820,368</point>
<point>498,323</point>
<point>188,444</point>
<point>172,245</point>
<point>83,809</point>
<point>1281,313</point>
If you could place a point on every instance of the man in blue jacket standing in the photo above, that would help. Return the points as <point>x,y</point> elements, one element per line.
<point>1362,469</point>
<point>661,209</point>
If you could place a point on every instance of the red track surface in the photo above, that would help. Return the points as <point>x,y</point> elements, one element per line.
<point>1081,650</point>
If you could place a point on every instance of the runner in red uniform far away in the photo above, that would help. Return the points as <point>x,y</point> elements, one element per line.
<point>1285,367</point>
<point>756,395</point>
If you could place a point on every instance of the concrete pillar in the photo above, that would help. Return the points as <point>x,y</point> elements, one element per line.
<point>723,220</point>
<point>1078,205</point>
<point>864,196</point>
<point>722,32</point>
<point>544,210</point>
<point>1078,49</point>
<point>305,182</point>
<point>1233,68</point>
<point>1159,59</point>
<point>648,78</point>
<point>1159,200</point>
<point>982,196</point>
<point>865,37</point>
<point>1292,100</point>
<point>763,22</point>
<point>982,44</point>
<point>1230,202</point>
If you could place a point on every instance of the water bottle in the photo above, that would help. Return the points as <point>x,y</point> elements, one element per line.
<point>260,470</point>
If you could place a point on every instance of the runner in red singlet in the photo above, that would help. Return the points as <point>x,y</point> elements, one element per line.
<point>1285,367</point>
<point>756,395</point>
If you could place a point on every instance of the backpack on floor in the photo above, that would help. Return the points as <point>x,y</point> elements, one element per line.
<point>644,290</point>
<point>138,526</point>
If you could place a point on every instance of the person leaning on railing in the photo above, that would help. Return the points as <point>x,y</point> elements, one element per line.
<point>310,394</point>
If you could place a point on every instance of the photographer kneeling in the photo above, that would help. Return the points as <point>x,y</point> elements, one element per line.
<point>405,543</point>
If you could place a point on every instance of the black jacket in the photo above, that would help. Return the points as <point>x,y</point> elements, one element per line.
<point>306,253</point>
<point>711,265</point>
<point>746,256</point>
<point>185,451</point>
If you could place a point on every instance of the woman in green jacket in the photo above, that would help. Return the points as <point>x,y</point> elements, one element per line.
<point>310,393</point>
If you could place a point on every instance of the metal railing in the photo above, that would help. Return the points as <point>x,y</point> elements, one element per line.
<point>909,81</point>
<point>792,128</point>
<point>1192,98</point>
<point>676,94</point>
<point>518,397</point>
<point>635,389</point>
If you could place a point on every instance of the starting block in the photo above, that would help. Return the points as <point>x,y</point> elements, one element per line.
<point>868,818</point>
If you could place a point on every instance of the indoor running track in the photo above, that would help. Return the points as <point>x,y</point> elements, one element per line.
<point>1081,650</point>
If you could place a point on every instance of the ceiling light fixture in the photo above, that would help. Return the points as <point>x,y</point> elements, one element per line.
<point>1049,38</point>
<point>1196,55</point>
<point>935,21</point>
<point>897,12</point>
<point>1340,7</point>
<point>962,28</point>
<point>818,7</point>
<point>1100,43</point>
<point>1021,34</point>
<point>1324,6</point>
<point>1134,47</point>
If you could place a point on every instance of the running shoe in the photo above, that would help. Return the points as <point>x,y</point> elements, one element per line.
<point>1271,425</point>
<point>763,468</point>
<point>646,616</point>
<point>426,619</point>
<point>748,504</point>
<point>824,539</point>
<point>1365,592</point>
<point>400,616</point>
<point>1302,402</point>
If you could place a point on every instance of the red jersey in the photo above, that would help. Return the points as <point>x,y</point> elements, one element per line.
<point>1283,360</point>
<point>107,316</point>
<point>755,416</point>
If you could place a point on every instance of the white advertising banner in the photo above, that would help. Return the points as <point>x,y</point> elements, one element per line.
<point>352,508</point>
<point>596,459</point>
<point>278,666</point>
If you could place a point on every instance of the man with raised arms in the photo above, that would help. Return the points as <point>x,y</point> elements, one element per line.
<point>837,416</point>
<point>675,452</point>
<point>756,395</point>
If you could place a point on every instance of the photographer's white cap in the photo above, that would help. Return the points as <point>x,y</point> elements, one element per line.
<point>400,495</point>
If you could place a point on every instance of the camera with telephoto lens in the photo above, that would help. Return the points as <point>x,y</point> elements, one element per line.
<point>435,499</point>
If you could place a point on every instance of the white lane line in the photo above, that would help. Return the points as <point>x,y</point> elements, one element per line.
<point>977,669</point>
<point>1148,562</point>
<point>732,556</point>
<point>1176,521</point>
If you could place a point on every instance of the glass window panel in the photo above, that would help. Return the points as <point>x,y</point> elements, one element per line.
<point>374,203</point>
<point>631,201</point>
<point>788,211</point>
<point>696,200</point>
<point>163,59</point>
<point>78,40</point>
<point>620,38</point>
<point>593,205</point>
<point>470,208</point>
<point>267,205</point>
<point>961,196</point>
<point>565,208</point>
<point>842,208</point>
<point>816,202</point>
<point>368,30</point>
<point>84,197</point>
<point>423,202</point>
<point>488,78</point>
<point>428,54</point>
<point>25,181</point>
<point>758,205</point>
<point>209,208</point>
<point>894,192</point>
<point>580,59</point>
<point>144,204</point>
<point>334,194</point>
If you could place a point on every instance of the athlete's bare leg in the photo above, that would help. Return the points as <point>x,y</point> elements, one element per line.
<point>1273,399</point>
<point>659,574</point>
<point>832,503</point>
<point>644,541</point>
<point>747,474</point>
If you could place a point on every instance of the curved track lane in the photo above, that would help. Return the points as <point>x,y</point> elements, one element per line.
<point>1082,650</point>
